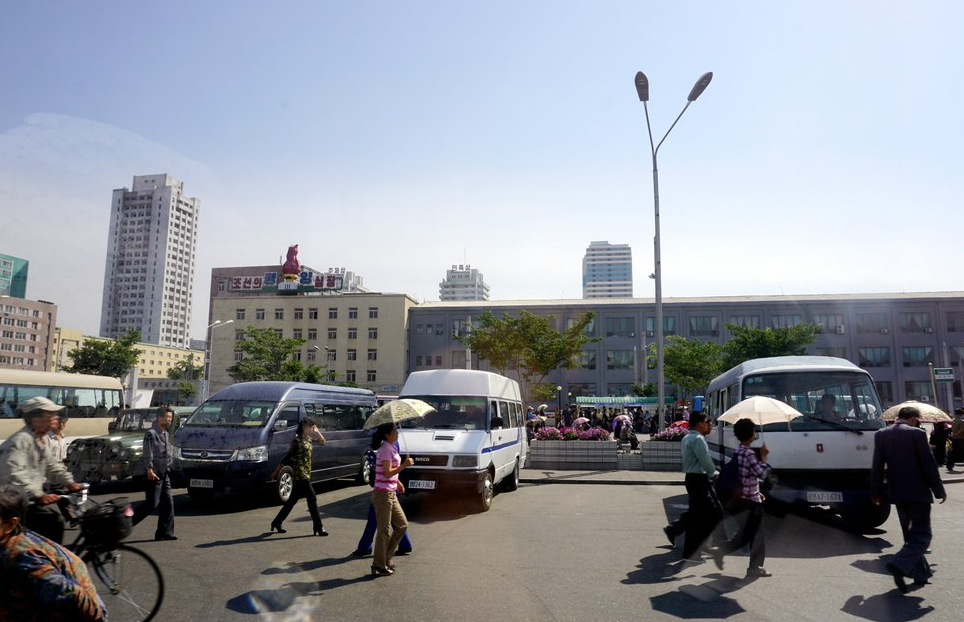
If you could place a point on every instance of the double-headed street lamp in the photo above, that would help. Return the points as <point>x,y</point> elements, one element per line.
<point>642,89</point>
<point>205,389</point>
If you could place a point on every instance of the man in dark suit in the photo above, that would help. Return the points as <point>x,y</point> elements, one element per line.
<point>912,477</point>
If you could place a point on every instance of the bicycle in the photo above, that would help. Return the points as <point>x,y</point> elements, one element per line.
<point>128,581</point>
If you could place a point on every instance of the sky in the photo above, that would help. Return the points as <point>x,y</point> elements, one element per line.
<point>396,139</point>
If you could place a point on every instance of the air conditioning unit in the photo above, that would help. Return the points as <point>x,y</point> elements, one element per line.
<point>840,329</point>
<point>928,330</point>
<point>650,333</point>
<point>925,398</point>
<point>884,331</point>
<point>632,334</point>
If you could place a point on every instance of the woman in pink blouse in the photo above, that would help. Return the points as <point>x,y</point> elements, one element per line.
<point>388,511</point>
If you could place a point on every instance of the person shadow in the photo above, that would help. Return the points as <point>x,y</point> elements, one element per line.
<point>286,597</point>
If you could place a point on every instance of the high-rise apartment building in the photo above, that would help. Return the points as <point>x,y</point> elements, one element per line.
<point>607,271</point>
<point>13,276</point>
<point>149,273</point>
<point>463,282</point>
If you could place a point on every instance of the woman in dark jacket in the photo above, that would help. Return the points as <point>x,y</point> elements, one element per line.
<point>299,459</point>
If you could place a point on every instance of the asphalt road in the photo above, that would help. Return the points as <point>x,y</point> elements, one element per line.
<point>545,552</point>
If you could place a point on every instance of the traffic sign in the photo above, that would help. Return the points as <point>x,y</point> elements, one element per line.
<point>943,374</point>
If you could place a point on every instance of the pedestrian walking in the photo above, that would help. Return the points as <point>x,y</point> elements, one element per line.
<point>938,441</point>
<point>905,469</point>
<point>391,521</point>
<point>747,502</point>
<point>158,459</point>
<point>956,454</point>
<point>704,512</point>
<point>364,547</point>
<point>299,459</point>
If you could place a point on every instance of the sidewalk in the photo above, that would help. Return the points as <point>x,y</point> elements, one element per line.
<point>529,475</point>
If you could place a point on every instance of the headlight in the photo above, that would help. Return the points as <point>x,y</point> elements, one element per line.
<point>253,454</point>
<point>465,461</point>
<point>176,452</point>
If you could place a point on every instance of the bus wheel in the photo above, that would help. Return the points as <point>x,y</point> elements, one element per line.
<point>866,515</point>
<point>485,497</point>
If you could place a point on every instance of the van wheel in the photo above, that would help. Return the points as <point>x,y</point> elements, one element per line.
<point>364,475</point>
<point>285,483</point>
<point>865,516</point>
<point>485,497</point>
<point>200,495</point>
<point>512,482</point>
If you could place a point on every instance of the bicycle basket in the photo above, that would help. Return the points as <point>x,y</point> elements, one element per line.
<point>107,523</point>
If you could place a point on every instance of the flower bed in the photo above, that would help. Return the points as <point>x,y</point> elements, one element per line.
<point>553,448</point>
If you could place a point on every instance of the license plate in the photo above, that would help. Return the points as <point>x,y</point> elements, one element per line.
<point>201,483</point>
<point>824,496</point>
<point>422,484</point>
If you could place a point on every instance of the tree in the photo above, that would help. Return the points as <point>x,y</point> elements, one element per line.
<point>752,343</point>
<point>691,365</point>
<point>187,390</point>
<point>106,357</point>
<point>527,348</point>
<point>185,369</point>
<point>267,356</point>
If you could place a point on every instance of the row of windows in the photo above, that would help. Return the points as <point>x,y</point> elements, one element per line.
<point>21,310</point>
<point>279,314</point>
<point>311,334</point>
<point>16,360</point>
<point>9,334</point>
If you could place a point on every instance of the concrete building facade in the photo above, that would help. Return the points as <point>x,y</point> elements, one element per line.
<point>607,271</point>
<point>898,338</point>
<point>27,333</point>
<point>13,276</point>
<point>151,255</point>
<point>463,282</point>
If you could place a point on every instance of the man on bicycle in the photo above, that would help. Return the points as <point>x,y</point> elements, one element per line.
<point>41,579</point>
<point>26,462</point>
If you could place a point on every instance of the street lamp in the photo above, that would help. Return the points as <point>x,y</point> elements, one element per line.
<point>642,89</point>
<point>205,388</point>
<point>559,394</point>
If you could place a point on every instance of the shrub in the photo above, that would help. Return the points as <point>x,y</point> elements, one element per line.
<point>672,434</point>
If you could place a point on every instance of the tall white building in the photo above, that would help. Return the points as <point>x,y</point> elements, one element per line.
<point>463,282</point>
<point>149,273</point>
<point>607,271</point>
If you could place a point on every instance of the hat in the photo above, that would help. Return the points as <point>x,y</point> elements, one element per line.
<point>35,404</point>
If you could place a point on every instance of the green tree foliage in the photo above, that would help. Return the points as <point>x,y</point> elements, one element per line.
<point>186,391</point>
<point>106,357</point>
<point>752,343</point>
<point>691,365</point>
<point>527,348</point>
<point>646,390</point>
<point>267,357</point>
<point>185,369</point>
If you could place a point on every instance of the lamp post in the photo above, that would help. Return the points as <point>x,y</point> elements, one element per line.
<point>642,89</point>
<point>205,388</point>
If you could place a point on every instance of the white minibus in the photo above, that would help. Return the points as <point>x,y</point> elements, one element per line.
<point>475,439</point>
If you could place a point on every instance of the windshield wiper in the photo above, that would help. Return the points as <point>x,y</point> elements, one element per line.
<point>835,424</point>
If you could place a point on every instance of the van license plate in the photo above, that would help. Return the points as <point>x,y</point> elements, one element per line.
<point>421,484</point>
<point>202,483</point>
<point>824,496</point>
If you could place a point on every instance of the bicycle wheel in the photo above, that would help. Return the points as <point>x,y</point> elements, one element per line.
<point>128,581</point>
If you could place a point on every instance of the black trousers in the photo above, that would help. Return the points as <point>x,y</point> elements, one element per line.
<point>703,515</point>
<point>956,454</point>
<point>751,513</point>
<point>46,520</point>
<point>915,524</point>
<point>158,496</point>
<point>300,488</point>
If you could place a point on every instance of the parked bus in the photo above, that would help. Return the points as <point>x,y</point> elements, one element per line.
<point>823,457</point>
<point>82,394</point>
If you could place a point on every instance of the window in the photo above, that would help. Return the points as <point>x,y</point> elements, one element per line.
<point>840,353</point>
<point>418,361</point>
<point>353,333</point>
<point>619,359</point>
<point>353,354</point>
<point>704,326</point>
<point>239,314</point>
<point>458,359</point>
<point>332,313</point>
<point>350,375</point>
<point>373,333</point>
<point>785,321</point>
<point>438,361</point>
<point>239,335</point>
<point>259,314</point>
<point>279,314</point>
<point>312,314</point>
<point>238,355</point>
<point>310,354</point>
<point>871,322</point>
<point>918,390</point>
<point>620,327</point>
<point>957,354</point>
<point>333,333</point>
<point>299,314</point>
<point>669,326</point>
<point>749,321</point>
<point>370,376</point>
<point>829,323</point>
<point>915,322</point>
<point>312,334</point>
<point>372,313</point>
<point>579,389</point>
<point>439,330</point>
<point>874,357</point>
<point>332,354</point>
<point>372,354</point>
<point>619,389</point>
<point>955,321</point>
<point>917,356</point>
<point>587,359</point>
<point>352,313</point>
<point>885,389</point>
<point>296,333</point>
<point>589,331</point>
<point>418,329</point>
<point>296,355</point>
<point>279,333</point>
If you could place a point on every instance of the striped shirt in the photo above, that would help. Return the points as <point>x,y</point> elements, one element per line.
<point>751,472</point>
<point>386,452</point>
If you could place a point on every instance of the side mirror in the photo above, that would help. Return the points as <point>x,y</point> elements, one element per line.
<point>280,424</point>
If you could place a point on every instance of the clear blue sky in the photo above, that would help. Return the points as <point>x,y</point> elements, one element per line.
<point>399,138</point>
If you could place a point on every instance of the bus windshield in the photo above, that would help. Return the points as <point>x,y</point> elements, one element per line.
<point>828,400</point>
<point>451,412</point>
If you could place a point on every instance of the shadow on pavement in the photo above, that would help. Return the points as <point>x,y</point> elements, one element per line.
<point>286,597</point>
<point>890,607</point>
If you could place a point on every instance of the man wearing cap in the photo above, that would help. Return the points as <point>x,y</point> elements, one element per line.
<point>25,461</point>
